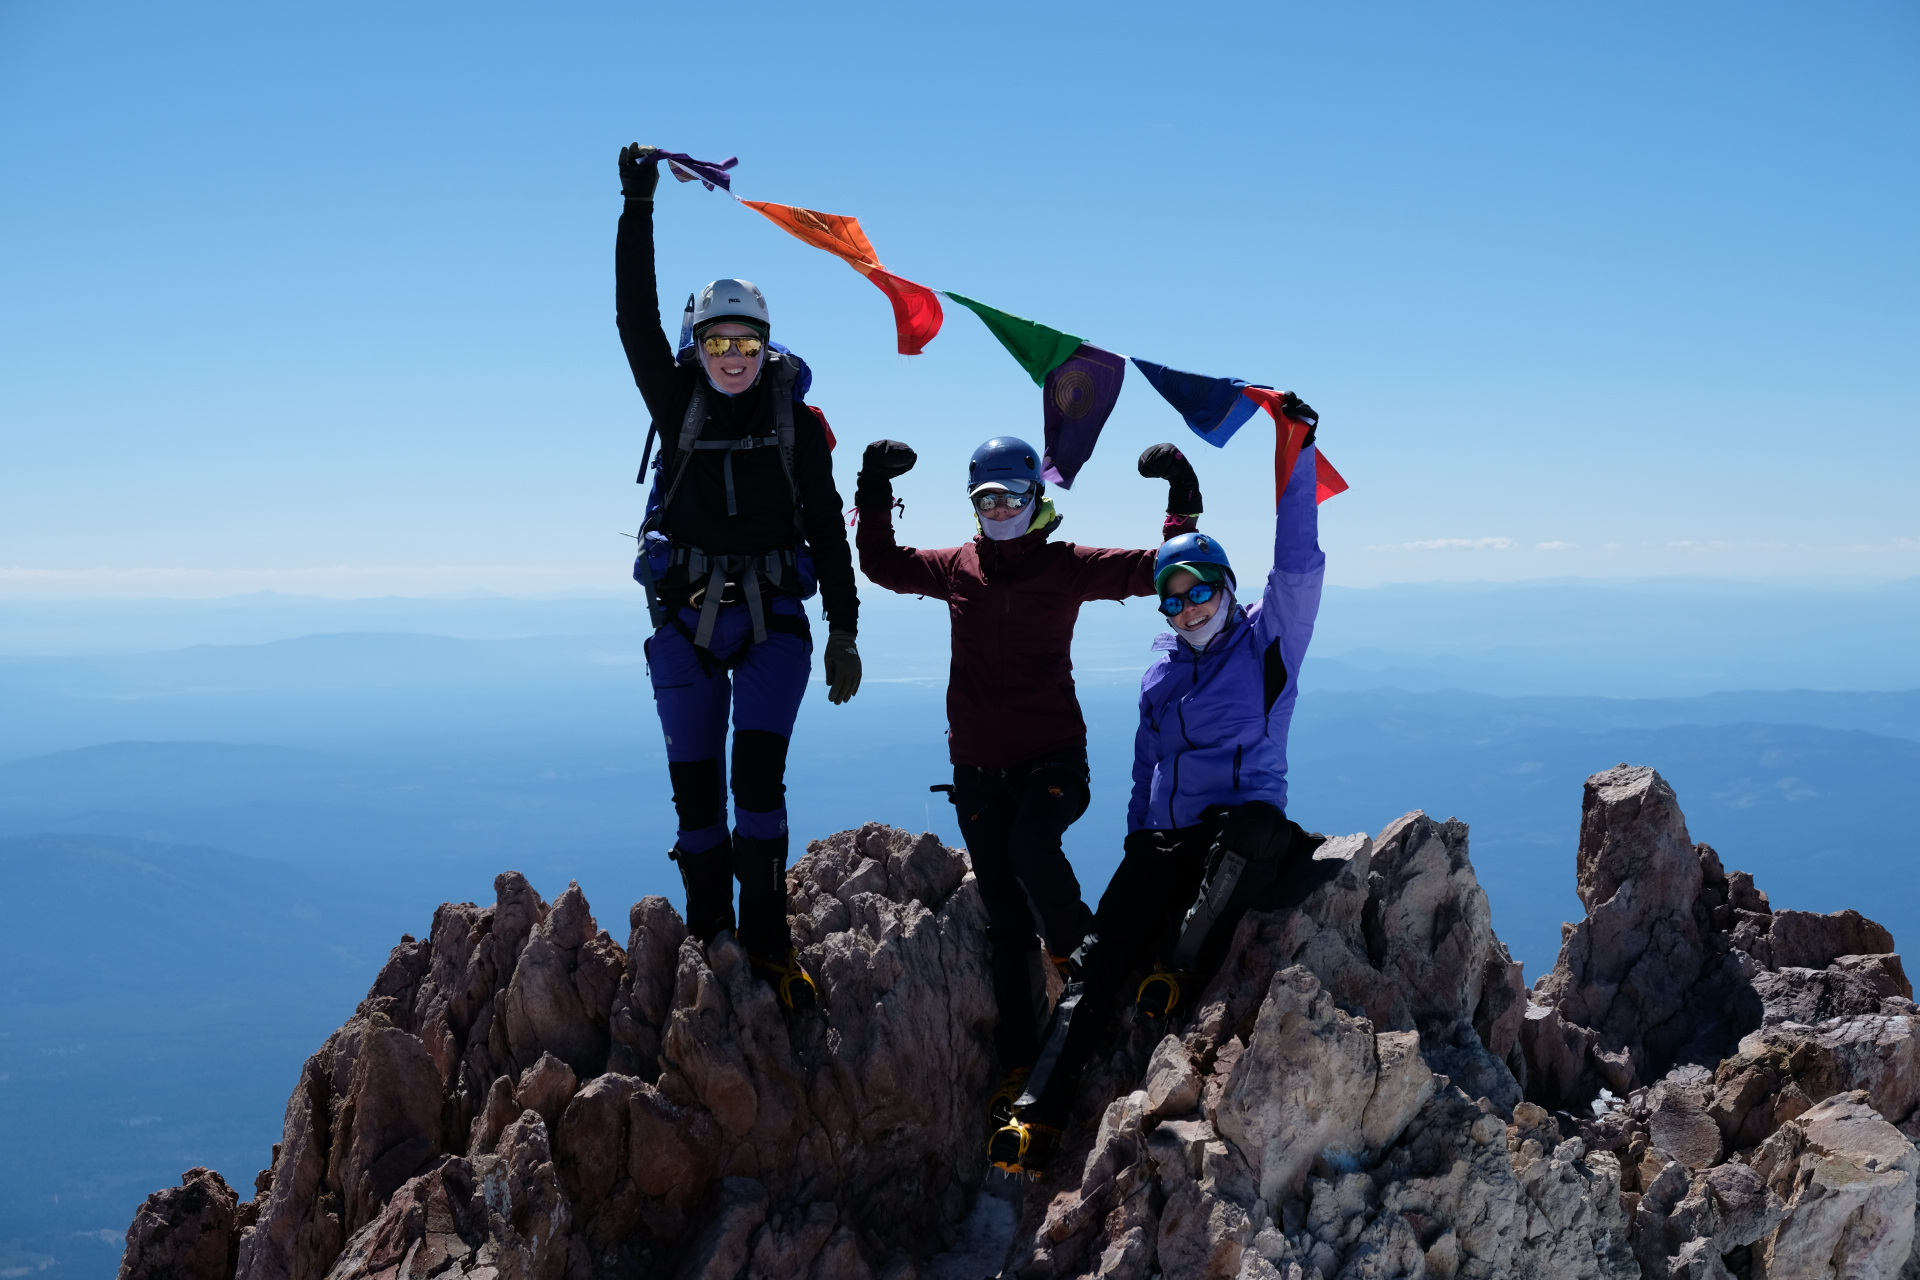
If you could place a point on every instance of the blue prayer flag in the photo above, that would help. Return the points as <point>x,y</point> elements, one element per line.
<point>1213,407</point>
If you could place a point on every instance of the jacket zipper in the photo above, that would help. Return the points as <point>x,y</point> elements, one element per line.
<point>1236,765</point>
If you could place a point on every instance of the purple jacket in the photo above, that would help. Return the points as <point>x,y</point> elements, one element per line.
<point>1213,724</point>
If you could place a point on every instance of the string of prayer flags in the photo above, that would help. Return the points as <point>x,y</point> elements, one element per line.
<point>1080,383</point>
<point>1039,350</point>
<point>1213,407</point>
<point>1077,398</point>
<point>917,314</point>
<point>711,175</point>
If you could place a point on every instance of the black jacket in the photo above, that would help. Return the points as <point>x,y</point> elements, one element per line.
<point>698,516</point>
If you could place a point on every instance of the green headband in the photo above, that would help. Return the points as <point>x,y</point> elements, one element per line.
<point>1205,572</point>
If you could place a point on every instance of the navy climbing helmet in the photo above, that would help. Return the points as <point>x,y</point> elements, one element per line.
<point>1008,461</point>
<point>1197,553</point>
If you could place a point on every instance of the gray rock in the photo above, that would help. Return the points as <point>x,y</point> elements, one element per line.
<point>1641,985</point>
<point>1847,1177</point>
<point>1810,940</point>
<point>519,1097</point>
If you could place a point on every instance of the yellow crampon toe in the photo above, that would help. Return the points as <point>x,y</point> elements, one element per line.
<point>794,985</point>
<point>1161,993</point>
<point>1022,1146</point>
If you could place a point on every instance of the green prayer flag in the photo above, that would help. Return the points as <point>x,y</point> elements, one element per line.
<point>1039,350</point>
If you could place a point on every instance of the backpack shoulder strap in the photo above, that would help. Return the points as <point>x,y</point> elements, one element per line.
<point>690,428</point>
<point>783,378</point>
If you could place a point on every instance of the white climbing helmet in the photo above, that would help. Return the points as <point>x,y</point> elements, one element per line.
<point>731,300</point>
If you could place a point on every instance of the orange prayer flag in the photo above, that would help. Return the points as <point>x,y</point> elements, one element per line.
<point>837,233</point>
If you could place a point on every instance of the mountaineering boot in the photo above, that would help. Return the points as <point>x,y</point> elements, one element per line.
<point>761,868</point>
<point>707,877</point>
<point>1161,993</point>
<point>1023,1145</point>
<point>1000,1105</point>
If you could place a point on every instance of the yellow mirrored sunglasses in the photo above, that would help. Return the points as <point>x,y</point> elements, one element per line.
<point>717,345</point>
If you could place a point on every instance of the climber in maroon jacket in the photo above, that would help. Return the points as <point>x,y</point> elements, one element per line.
<point>1014,728</point>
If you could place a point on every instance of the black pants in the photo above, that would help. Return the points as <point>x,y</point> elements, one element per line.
<point>1140,915</point>
<point>1012,820</point>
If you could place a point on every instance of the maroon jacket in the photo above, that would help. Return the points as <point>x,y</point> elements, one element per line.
<point>1014,604</point>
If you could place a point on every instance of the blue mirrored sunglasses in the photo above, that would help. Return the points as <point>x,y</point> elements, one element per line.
<point>1198,593</point>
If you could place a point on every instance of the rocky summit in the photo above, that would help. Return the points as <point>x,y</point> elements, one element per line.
<point>1702,1087</point>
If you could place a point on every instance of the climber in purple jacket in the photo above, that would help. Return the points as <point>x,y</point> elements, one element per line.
<point>1207,832</point>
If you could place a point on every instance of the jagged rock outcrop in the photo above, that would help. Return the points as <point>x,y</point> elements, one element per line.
<point>521,1096</point>
<point>1342,1103</point>
<point>184,1232</point>
<point>1698,1033</point>
<point>1702,1087</point>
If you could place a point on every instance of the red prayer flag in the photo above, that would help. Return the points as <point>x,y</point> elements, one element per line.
<point>1290,435</point>
<point>1330,481</point>
<point>917,314</point>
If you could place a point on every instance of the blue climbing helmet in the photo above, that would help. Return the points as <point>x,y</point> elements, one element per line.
<point>1199,554</point>
<point>1008,462</point>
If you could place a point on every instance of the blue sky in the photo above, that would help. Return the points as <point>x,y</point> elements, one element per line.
<point>319,297</point>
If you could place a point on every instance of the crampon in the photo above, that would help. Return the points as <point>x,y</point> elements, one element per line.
<point>1162,993</point>
<point>1022,1146</point>
<point>1000,1105</point>
<point>794,985</point>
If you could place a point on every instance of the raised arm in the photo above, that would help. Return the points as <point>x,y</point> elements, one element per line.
<point>903,569</point>
<point>636,295</point>
<point>1292,598</point>
<point>1118,575</point>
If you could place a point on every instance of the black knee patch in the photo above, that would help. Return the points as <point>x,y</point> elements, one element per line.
<point>699,800</point>
<point>759,770</point>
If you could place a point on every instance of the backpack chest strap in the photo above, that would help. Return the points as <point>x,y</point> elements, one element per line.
<point>731,447</point>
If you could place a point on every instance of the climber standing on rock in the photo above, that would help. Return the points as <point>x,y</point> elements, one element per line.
<point>743,522</point>
<point>1015,732</point>
<point>1208,835</point>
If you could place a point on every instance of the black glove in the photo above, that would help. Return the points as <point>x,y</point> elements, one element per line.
<point>639,171</point>
<point>885,459</point>
<point>842,665</point>
<point>1300,411</point>
<point>1165,462</point>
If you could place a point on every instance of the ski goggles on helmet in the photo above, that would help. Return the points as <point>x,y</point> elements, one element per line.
<point>1198,593</point>
<point>747,345</point>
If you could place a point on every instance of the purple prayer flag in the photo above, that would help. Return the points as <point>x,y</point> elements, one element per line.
<point>1076,398</point>
<point>1213,407</point>
<point>687,169</point>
